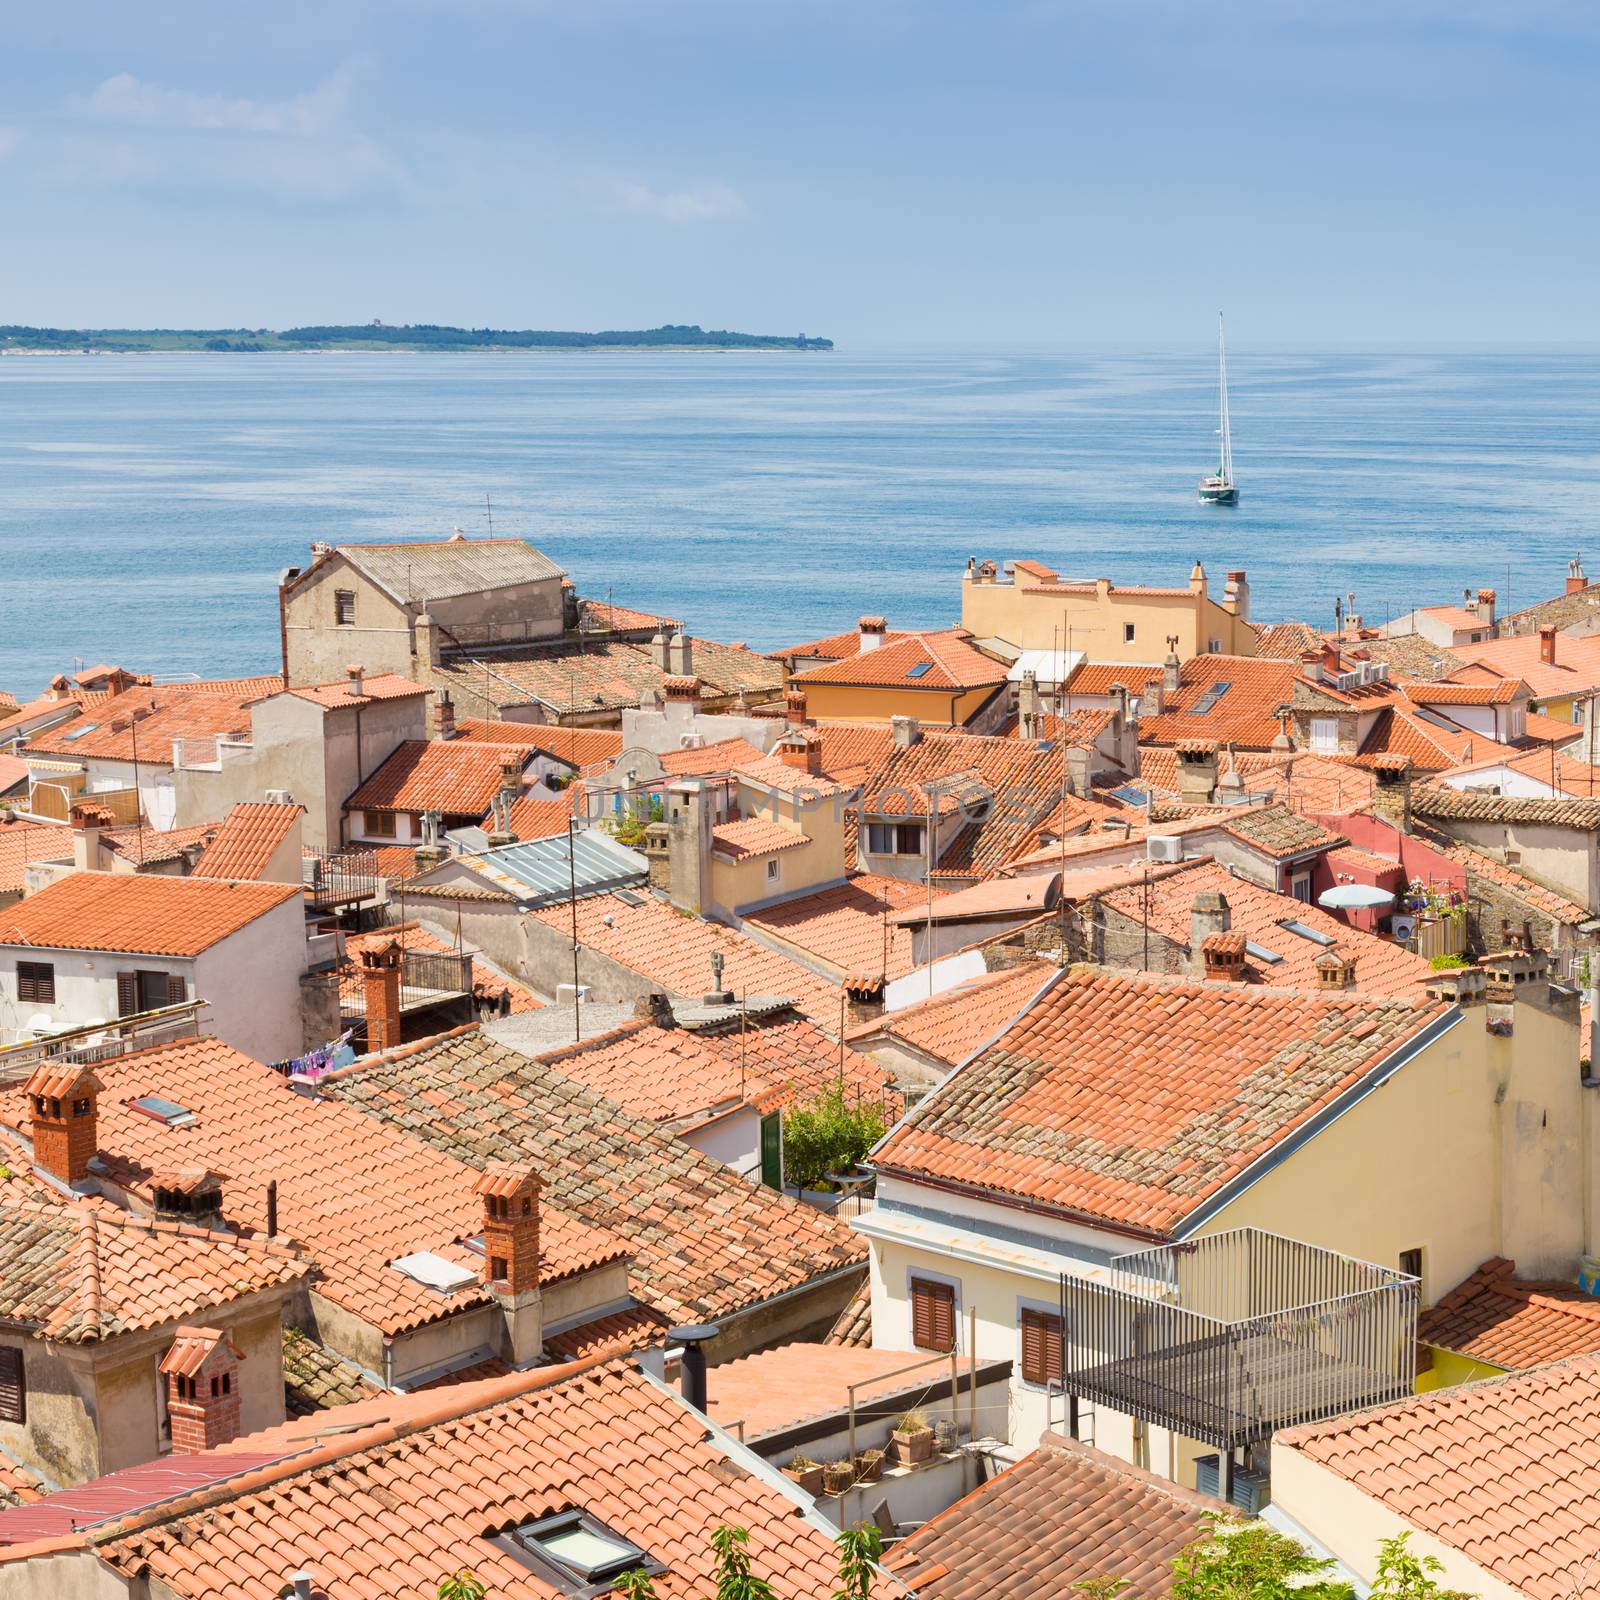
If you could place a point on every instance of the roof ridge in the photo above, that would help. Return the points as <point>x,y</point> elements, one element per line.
<point>401,1052</point>
<point>89,1238</point>
<point>623,1030</point>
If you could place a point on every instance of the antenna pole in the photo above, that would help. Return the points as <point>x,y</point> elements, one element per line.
<point>490,510</point>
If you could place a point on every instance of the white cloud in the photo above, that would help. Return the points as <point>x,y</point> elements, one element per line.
<point>627,197</point>
<point>131,102</point>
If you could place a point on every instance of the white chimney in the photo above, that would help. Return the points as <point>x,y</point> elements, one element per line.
<point>872,631</point>
<point>354,672</point>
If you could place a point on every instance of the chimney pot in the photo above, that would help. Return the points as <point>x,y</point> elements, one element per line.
<point>1575,577</point>
<point>905,732</point>
<point>873,630</point>
<point>354,673</point>
<point>444,717</point>
<point>202,1373</point>
<point>694,1337</point>
<point>801,748</point>
<point>510,1192</point>
<point>65,1105</point>
<point>1223,957</point>
<point>794,703</point>
<point>380,985</point>
<point>1547,645</point>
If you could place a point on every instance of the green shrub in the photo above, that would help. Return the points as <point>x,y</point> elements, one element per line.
<point>1448,963</point>
<point>826,1135</point>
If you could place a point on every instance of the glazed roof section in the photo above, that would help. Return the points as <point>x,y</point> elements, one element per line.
<point>540,872</point>
<point>437,1473</point>
<point>139,913</point>
<point>1503,1471</point>
<point>441,569</point>
<point>355,1193</point>
<point>1073,1109</point>
<point>1065,1515</point>
<point>80,1273</point>
<point>706,1243</point>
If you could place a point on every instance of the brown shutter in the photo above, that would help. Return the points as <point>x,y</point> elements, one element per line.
<point>177,991</point>
<point>13,1386</point>
<point>127,994</point>
<point>36,983</point>
<point>933,1315</point>
<point>1041,1347</point>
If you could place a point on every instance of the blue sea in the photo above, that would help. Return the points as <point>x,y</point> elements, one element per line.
<point>147,503</point>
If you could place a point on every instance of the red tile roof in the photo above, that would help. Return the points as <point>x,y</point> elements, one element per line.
<point>1097,677</point>
<point>1074,1108</point>
<point>1243,714</point>
<point>947,663</point>
<point>710,759</point>
<point>456,776</point>
<point>410,1492</point>
<point>247,839</point>
<point>1287,641</point>
<point>574,747</point>
<point>374,686</point>
<point>794,1383</point>
<point>79,1273</point>
<point>685,1078</point>
<point>707,1243</point>
<point>632,1329</point>
<point>1503,1471</point>
<point>755,836</point>
<point>845,928</point>
<point>836,647</point>
<point>1575,671</point>
<point>533,818</point>
<point>22,842</point>
<point>143,724</point>
<point>674,952</point>
<point>1065,1515</point>
<point>1278,832</point>
<point>355,1193</point>
<point>774,773</point>
<point>1505,1321</point>
<point>961,1019</point>
<point>140,913</point>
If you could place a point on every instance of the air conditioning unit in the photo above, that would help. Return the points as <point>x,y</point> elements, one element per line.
<point>1163,847</point>
<point>1402,928</point>
<point>1250,1491</point>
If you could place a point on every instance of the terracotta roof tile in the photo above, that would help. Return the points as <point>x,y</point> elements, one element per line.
<point>1287,641</point>
<point>1242,714</point>
<point>456,776</point>
<point>1074,1109</point>
<point>77,1273</point>
<point>385,1509</point>
<point>961,1019</point>
<point>22,842</point>
<point>706,1242</point>
<point>1281,833</point>
<point>244,843</point>
<point>139,913</point>
<point>853,1325</point>
<point>18,1486</point>
<point>1503,1470</point>
<point>1098,677</point>
<point>1456,805</point>
<point>352,1191</point>
<point>374,686</point>
<point>532,818</point>
<point>488,981</point>
<point>1063,1515</point>
<point>1505,1321</point>
<point>1576,669</point>
<point>755,836</point>
<point>143,723</point>
<point>632,1329</point>
<point>147,847</point>
<point>314,1378</point>
<point>942,661</point>
<point>707,760</point>
<point>604,616</point>
<point>674,951</point>
<point>845,927</point>
<point>574,747</point>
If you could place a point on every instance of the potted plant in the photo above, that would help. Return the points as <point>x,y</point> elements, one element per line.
<point>837,1476</point>
<point>869,1466</point>
<point>804,1471</point>
<point>913,1439</point>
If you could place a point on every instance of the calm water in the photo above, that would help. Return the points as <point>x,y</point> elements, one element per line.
<point>147,503</point>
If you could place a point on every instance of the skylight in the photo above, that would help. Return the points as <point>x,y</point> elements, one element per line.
<point>1300,930</point>
<point>80,730</point>
<point>434,1271</point>
<point>1130,796</point>
<point>1210,698</point>
<point>918,670</point>
<point>163,1110</point>
<point>579,1552</point>
<point>1261,953</point>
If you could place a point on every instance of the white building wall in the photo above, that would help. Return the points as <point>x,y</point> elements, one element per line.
<point>252,981</point>
<point>734,1140</point>
<point>86,986</point>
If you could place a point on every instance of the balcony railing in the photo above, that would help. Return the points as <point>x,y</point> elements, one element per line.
<point>1228,1338</point>
<point>102,1041</point>
<point>342,880</point>
<point>427,978</point>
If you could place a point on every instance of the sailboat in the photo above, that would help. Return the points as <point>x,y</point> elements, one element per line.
<point>1220,489</point>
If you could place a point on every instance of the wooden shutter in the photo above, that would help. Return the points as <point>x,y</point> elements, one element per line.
<point>1041,1347</point>
<point>933,1315</point>
<point>127,993</point>
<point>36,983</point>
<point>177,990</point>
<point>13,1386</point>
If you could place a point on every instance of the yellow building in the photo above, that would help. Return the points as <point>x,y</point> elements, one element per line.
<point>1029,607</point>
<point>1123,1111</point>
<point>938,678</point>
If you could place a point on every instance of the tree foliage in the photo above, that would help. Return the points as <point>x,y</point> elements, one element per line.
<point>828,1134</point>
<point>1251,1561</point>
<point>461,1585</point>
<point>1403,1576</point>
<point>859,1549</point>
<point>735,1581</point>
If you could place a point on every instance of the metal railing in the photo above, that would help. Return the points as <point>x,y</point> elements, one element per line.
<point>344,879</point>
<point>430,974</point>
<point>102,1041</point>
<point>1228,1338</point>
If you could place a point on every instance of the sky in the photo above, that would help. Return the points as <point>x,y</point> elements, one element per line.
<point>889,173</point>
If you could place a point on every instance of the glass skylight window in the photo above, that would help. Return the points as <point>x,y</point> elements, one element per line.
<point>423,1266</point>
<point>1210,698</point>
<point>1300,930</point>
<point>918,670</point>
<point>577,1551</point>
<point>163,1110</point>
<point>78,732</point>
<point>1261,953</point>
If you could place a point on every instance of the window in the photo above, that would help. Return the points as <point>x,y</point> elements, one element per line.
<point>344,607</point>
<point>1513,858</point>
<point>36,983</point>
<point>13,1386</point>
<point>772,872</point>
<point>1127,633</point>
<point>578,1553</point>
<point>148,991</point>
<point>1324,735</point>
<point>378,824</point>
<point>1411,1262</point>
<point>163,1110</point>
<point>895,838</point>
<point>1041,1347</point>
<point>1300,888</point>
<point>933,1315</point>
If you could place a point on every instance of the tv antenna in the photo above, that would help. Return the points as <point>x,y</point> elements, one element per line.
<point>489,509</point>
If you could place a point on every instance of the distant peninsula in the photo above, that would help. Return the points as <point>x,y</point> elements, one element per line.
<point>384,336</point>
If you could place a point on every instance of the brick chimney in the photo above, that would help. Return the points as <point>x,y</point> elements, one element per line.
<point>794,706</point>
<point>511,1252</point>
<point>1575,577</point>
<point>380,985</point>
<point>202,1373</point>
<point>355,673</point>
<point>872,631</point>
<point>1223,955</point>
<point>654,1007</point>
<point>683,692</point>
<point>863,998</point>
<point>800,748</point>
<point>1547,645</point>
<point>1334,971</point>
<point>64,1101</point>
<point>1209,914</point>
<point>511,778</point>
<point>444,716</point>
<point>87,821</point>
<point>1483,607</point>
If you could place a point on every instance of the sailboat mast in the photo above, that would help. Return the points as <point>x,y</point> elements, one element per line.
<point>1222,385</point>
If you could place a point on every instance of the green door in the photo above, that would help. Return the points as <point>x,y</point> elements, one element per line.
<point>772,1151</point>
